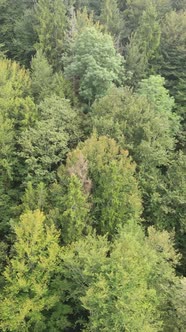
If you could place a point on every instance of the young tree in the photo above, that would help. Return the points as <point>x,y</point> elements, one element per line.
<point>111,18</point>
<point>123,285</point>
<point>74,219</point>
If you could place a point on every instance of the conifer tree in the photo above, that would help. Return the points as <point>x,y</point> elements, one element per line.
<point>52,23</point>
<point>74,220</point>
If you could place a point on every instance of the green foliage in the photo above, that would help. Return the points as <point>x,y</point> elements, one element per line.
<point>52,23</point>
<point>110,290</point>
<point>17,112</point>
<point>45,83</point>
<point>76,209</point>
<point>93,64</point>
<point>44,146</point>
<point>115,195</point>
<point>15,102</point>
<point>111,17</point>
<point>42,75</point>
<point>34,198</point>
<point>172,63</point>
<point>142,46</point>
<point>17,34</point>
<point>136,125</point>
<point>28,292</point>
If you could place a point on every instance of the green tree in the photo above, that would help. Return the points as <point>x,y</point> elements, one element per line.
<point>173,58</point>
<point>111,18</point>
<point>28,293</point>
<point>45,83</point>
<point>15,102</point>
<point>74,220</point>
<point>115,195</point>
<point>142,46</point>
<point>93,64</point>
<point>6,168</point>
<point>52,23</point>
<point>136,125</point>
<point>155,92</point>
<point>123,285</point>
<point>34,197</point>
<point>17,112</point>
<point>128,295</point>
<point>17,35</point>
<point>44,146</point>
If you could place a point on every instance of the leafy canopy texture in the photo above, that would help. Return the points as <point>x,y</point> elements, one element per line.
<point>115,195</point>
<point>44,146</point>
<point>94,64</point>
<point>29,274</point>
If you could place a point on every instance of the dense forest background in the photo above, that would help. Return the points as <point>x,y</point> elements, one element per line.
<point>93,165</point>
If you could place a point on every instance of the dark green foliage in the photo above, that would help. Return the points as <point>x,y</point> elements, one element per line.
<point>143,44</point>
<point>44,146</point>
<point>136,125</point>
<point>52,22</point>
<point>17,33</point>
<point>172,64</point>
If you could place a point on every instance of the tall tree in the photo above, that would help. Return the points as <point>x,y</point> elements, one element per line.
<point>52,23</point>
<point>115,195</point>
<point>17,34</point>
<point>17,112</point>
<point>44,146</point>
<point>93,64</point>
<point>74,220</point>
<point>172,65</point>
<point>143,44</point>
<point>28,294</point>
<point>111,18</point>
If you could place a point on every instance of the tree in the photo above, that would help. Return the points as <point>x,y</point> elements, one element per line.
<point>111,18</point>
<point>115,195</point>
<point>41,75</point>
<point>136,125</point>
<point>17,112</point>
<point>28,294</point>
<point>110,290</point>
<point>45,83</point>
<point>34,197</point>
<point>44,146</point>
<point>143,44</point>
<point>15,102</point>
<point>93,64</point>
<point>52,23</point>
<point>6,168</point>
<point>155,92</point>
<point>74,220</point>
<point>17,35</point>
<point>173,53</point>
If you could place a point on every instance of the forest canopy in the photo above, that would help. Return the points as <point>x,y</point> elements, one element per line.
<point>92,165</point>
